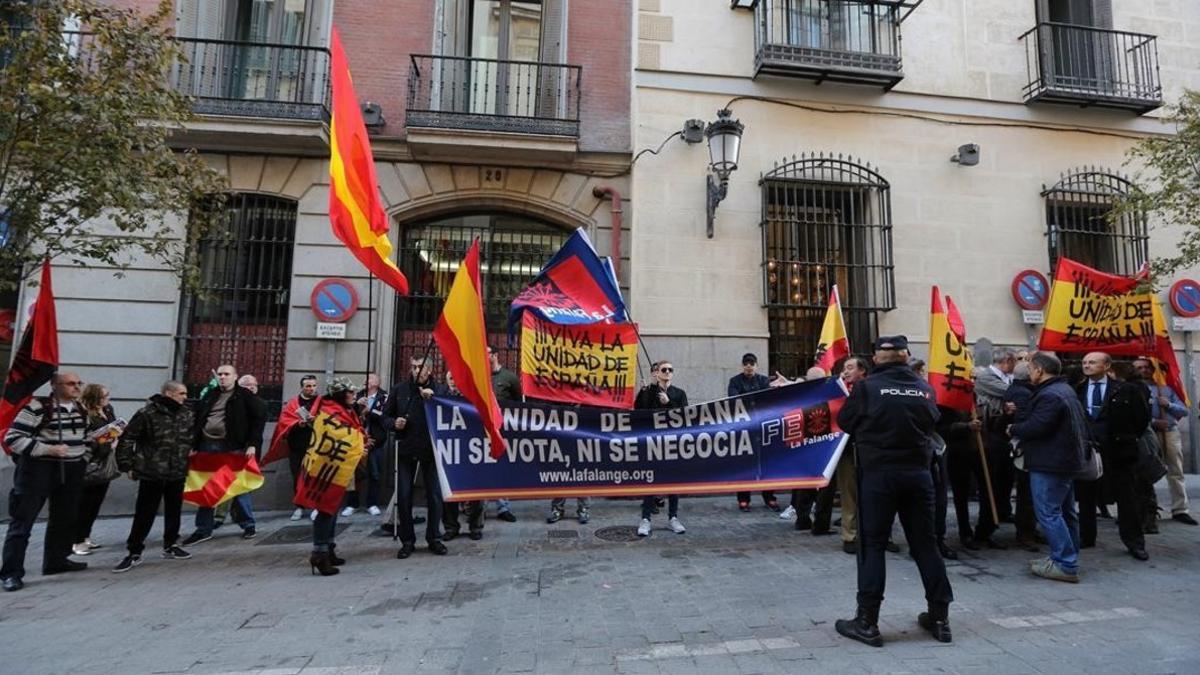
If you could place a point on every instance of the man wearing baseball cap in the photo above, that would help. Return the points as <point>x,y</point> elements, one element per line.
<point>891,416</point>
<point>743,383</point>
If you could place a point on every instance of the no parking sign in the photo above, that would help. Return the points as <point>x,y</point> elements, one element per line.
<point>1031,291</point>
<point>334,301</point>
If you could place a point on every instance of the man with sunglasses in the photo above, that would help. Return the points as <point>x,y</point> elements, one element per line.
<point>47,439</point>
<point>657,395</point>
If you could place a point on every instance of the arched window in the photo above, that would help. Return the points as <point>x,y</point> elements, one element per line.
<point>1080,224</point>
<point>825,221</point>
<point>512,250</point>
<point>240,313</point>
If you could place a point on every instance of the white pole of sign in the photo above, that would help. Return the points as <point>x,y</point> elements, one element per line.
<point>330,356</point>
<point>1190,383</point>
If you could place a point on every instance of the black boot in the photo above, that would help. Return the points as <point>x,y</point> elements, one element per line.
<point>333,556</point>
<point>937,622</point>
<point>947,552</point>
<point>320,562</point>
<point>863,627</point>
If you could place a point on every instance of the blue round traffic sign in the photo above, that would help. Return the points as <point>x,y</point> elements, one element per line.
<point>334,300</point>
<point>1185,298</point>
<point>1031,290</point>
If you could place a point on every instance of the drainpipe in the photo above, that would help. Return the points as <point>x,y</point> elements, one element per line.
<point>615,246</point>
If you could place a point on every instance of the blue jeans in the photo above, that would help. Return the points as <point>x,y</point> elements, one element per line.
<point>206,521</point>
<point>672,506</point>
<point>1054,504</point>
<point>502,505</point>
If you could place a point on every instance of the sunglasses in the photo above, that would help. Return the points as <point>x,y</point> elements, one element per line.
<point>666,370</point>
<point>73,383</point>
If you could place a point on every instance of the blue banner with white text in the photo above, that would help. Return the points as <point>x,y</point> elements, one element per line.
<point>781,438</point>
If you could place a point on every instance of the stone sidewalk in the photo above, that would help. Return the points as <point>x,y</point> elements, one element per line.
<point>739,593</point>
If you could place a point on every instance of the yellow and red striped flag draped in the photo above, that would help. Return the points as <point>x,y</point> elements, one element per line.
<point>216,477</point>
<point>333,454</point>
<point>951,368</point>
<point>1166,367</point>
<point>462,336</point>
<point>355,211</point>
<point>833,344</point>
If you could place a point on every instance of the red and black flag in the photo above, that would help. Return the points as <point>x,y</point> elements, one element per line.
<point>37,358</point>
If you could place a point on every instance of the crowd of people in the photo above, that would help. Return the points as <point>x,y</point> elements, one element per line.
<point>1031,456</point>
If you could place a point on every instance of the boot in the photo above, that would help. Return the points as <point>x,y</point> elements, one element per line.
<point>947,552</point>
<point>320,561</point>
<point>936,621</point>
<point>863,627</point>
<point>333,556</point>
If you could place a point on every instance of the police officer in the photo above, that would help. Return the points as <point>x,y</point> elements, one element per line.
<point>891,416</point>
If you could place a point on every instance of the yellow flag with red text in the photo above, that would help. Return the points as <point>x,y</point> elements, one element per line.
<point>951,367</point>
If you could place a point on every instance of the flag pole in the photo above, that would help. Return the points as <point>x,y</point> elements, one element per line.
<point>987,474</point>
<point>370,320</point>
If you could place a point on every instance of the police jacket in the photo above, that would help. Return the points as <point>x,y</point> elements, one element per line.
<point>890,417</point>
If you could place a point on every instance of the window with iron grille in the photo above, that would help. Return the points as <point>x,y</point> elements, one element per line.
<point>512,249</point>
<point>825,220</point>
<point>1080,225</point>
<point>239,314</point>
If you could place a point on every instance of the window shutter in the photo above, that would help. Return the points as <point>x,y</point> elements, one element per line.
<point>552,80</point>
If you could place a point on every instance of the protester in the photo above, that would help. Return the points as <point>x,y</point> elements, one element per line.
<point>473,509</point>
<point>746,382</point>
<point>100,468</point>
<point>658,395</point>
<point>229,419</point>
<point>1052,438</point>
<point>891,415</point>
<point>47,444</point>
<point>1166,411</point>
<point>324,559</point>
<point>234,507</point>
<point>1016,409</point>
<point>405,413</point>
<point>964,467</point>
<point>802,500</point>
<point>990,385</point>
<point>1118,412</point>
<point>507,387</point>
<point>854,371</point>
<point>299,436</point>
<point>154,451</point>
<point>370,403</point>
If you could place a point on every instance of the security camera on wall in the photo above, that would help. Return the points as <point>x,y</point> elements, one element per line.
<point>967,155</point>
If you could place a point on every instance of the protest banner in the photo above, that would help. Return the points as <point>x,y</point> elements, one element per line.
<point>780,438</point>
<point>592,364</point>
<point>1090,310</point>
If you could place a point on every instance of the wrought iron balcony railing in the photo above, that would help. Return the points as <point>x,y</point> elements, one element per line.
<point>855,41</point>
<point>1086,66</point>
<point>459,92</point>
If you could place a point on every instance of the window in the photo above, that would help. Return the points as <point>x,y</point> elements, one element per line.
<point>512,251</point>
<point>240,314</point>
<point>825,221</point>
<point>1079,225</point>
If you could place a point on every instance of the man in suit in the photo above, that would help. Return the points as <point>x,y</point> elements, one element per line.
<point>1118,412</point>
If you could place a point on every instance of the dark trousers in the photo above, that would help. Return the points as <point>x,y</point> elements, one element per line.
<point>937,469</point>
<point>1120,480</point>
<point>294,460</point>
<point>150,494</point>
<point>324,530</point>
<point>91,498</point>
<point>768,496</point>
<point>473,509</point>
<point>818,503</point>
<point>408,469</point>
<point>883,495</point>
<point>34,482</point>
<point>1001,467</point>
<point>964,464</point>
<point>1025,517</point>
<point>372,479</point>
<point>672,506</point>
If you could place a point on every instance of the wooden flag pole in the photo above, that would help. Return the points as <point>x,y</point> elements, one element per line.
<point>987,474</point>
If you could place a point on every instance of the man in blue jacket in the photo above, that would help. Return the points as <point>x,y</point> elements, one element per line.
<point>1052,438</point>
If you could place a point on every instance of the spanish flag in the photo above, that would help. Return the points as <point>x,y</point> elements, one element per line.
<point>216,477</point>
<point>36,359</point>
<point>951,368</point>
<point>355,211</point>
<point>834,344</point>
<point>1094,311</point>
<point>462,336</point>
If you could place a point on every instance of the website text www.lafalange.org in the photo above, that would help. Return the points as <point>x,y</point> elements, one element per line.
<point>608,477</point>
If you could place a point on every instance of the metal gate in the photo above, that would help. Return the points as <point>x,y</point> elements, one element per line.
<point>825,220</point>
<point>1080,224</point>
<point>512,251</point>
<point>239,314</point>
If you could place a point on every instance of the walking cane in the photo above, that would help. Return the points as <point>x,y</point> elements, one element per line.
<point>987,474</point>
<point>391,440</point>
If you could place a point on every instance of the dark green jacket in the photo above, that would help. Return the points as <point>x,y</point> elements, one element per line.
<point>156,443</point>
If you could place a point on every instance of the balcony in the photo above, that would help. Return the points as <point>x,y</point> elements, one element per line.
<point>491,106</point>
<point>1085,66</point>
<point>851,41</point>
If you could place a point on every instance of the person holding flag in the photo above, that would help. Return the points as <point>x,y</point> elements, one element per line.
<point>405,413</point>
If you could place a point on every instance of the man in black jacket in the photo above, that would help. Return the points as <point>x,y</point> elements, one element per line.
<point>745,382</point>
<point>656,396</point>
<point>892,416</point>
<point>1118,413</point>
<point>405,413</point>
<point>300,435</point>
<point>229,419</point>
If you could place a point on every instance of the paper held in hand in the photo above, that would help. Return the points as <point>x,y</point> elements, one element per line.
<point>109,432</point>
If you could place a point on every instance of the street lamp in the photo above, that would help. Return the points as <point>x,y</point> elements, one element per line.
<point>724,143</point>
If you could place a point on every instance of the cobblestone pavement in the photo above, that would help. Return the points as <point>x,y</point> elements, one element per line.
<point>738,593</point>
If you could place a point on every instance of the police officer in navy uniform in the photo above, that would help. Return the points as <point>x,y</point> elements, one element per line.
<point>891,416</point>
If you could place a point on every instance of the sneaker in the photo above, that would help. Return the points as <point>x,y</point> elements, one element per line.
<point>127,563</point>
<point>555,516</point>
<point>374,510</point>
<point>249,533</point>
<point>676,526</point>
<point>644,528</point>
<point>506,516</point>
<point>348,511</point>
<point>173,552</point>
<point>1048,569</point>
<point>91,544</point>
<point>583,516</point>
<point>80,549</point>
<point>196,538</point>
<point>297,514</point>
<point>313,515</point>
<point>788,513</point>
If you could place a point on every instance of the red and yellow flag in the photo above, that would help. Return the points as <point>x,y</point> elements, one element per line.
<point>216,477</point>
<point>833,344</point>
<point>1166,367</point>
<point>951,368</point>
<point>355,211</point>
<point>336,448</point>
<point>462,336</point>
